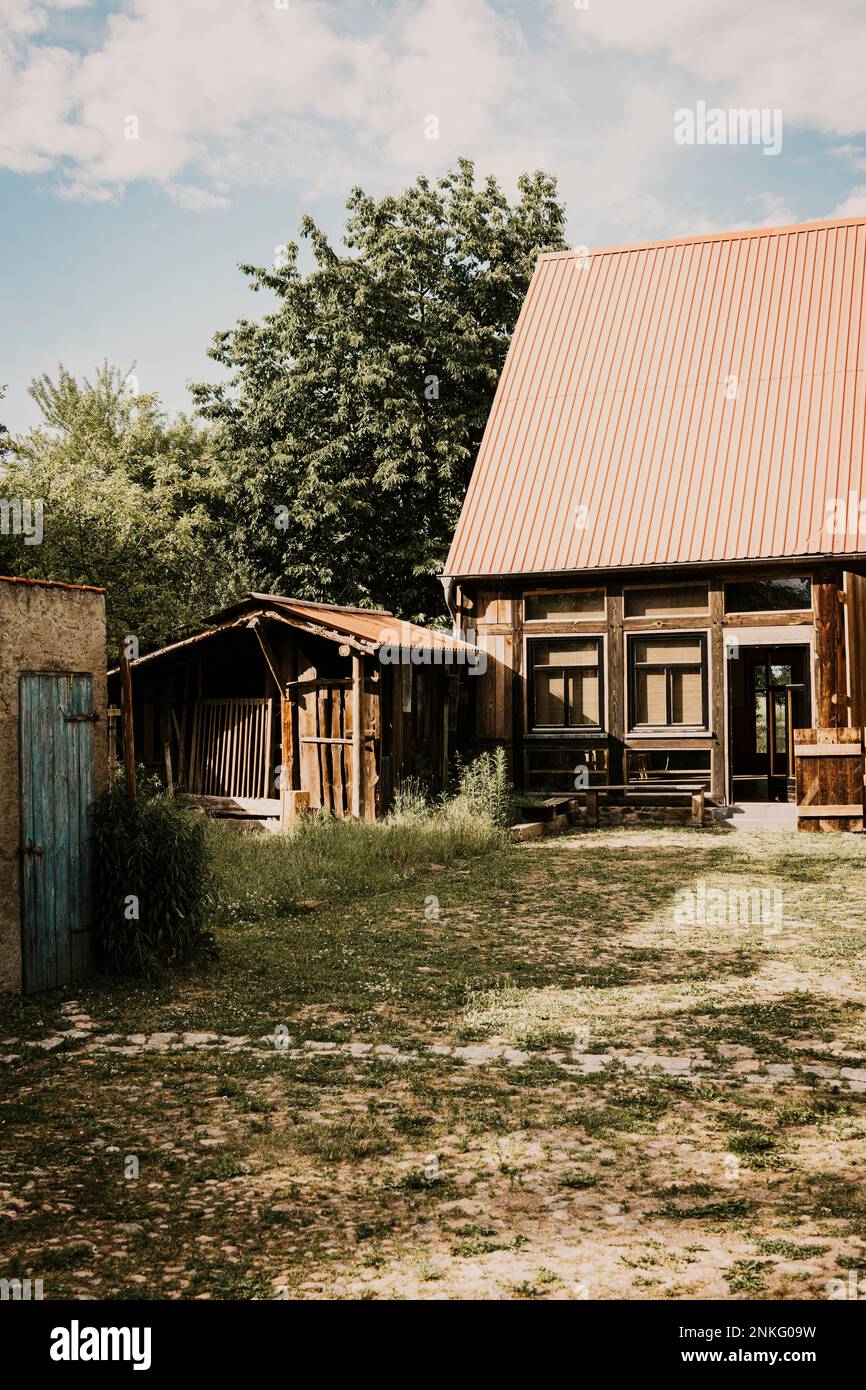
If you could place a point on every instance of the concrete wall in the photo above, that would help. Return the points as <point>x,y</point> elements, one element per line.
<point>43,627</point>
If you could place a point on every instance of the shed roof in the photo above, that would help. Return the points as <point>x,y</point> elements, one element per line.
<point>676,402</point>
<point>364,629</point>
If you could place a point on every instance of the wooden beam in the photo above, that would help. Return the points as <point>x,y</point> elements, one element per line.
<point>831,673</point>
<point>169,779</point>
<point>128,728</point>
<point>357,734</point>
<point>267,652</point>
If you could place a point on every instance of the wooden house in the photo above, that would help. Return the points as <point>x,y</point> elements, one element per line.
<point>663,544</point>
<point>283,703</point>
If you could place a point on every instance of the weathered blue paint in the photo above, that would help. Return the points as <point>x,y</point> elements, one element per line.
<point>56,790</point>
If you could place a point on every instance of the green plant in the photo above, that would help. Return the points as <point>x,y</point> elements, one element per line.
<point>151,882</point>
<point>263,876</point>
<point>410,800</point>
<point>484,788</point>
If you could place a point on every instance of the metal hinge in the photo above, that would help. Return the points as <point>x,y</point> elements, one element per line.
<point>79,718</point>
<point>30,849</point>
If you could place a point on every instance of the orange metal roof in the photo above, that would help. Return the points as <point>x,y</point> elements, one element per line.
<point>366,629</point>
<point>702,399</point>
<point>367,625</point>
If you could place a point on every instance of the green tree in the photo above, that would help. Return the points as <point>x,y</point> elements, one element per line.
<point>129,501</point>
<point>352,413</point>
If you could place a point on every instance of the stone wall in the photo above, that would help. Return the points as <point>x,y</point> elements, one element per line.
<point>43,627</point>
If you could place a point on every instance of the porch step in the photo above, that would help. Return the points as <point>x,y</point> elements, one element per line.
<point>762,815</point>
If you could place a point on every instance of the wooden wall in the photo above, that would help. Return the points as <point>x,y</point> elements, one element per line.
<point>499,698</point>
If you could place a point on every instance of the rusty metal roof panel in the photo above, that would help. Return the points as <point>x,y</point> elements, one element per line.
<point>676,403</point>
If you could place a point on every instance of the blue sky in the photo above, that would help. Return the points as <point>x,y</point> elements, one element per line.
<point>249,113</point>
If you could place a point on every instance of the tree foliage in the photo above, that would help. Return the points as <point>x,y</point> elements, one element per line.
<point>130,502</point>
<point>352,413</point>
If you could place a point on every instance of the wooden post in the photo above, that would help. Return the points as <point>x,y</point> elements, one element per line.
<point>591,806</point>
<point>357,734</point>
<point>169,780</point>
<point>126,710</point>
<point>831,675</point>
<point>698,807</point>
<point>113,713</point>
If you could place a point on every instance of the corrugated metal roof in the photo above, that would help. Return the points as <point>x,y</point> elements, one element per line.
<point>364,628</point>
<point>373,626</point>
<point>702,399</point>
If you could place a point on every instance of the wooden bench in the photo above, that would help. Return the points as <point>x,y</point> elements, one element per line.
<point>644,787</point>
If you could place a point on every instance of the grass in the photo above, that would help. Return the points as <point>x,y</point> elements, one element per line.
<point>370,1159</point>
<point>261,876</point>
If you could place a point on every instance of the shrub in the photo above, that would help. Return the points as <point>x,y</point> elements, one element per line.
<point>153,851</point>
<point>485,790</point>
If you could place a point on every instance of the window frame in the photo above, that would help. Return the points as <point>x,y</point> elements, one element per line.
<point>764,612</point>
<point>681,586</point>
<point>667,635</point>
<point>564,639</point>
<point>594,616</point>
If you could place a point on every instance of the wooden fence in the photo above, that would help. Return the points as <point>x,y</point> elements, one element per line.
<point>829,765</point>
<point>231,748</point>
<point>327,745</point>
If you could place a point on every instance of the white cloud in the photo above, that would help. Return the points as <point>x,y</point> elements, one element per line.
<point>206,80</point>
<point>194,199</point>
<point>808,59</point>
<point>326,93</point>
<point>854,205</point>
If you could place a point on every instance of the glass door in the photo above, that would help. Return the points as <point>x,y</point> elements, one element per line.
<point>769,699</point>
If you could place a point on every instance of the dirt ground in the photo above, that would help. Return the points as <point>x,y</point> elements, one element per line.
<point>615,1064</point>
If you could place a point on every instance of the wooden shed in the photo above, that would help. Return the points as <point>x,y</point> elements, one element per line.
<point>52,764</point>
<point>284,703</point>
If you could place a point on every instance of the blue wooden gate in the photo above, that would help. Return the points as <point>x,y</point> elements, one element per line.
<point>56,725</point>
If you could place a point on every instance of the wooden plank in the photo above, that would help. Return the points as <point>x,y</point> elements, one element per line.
<point>357,730</point>
<point>829,812</point>
<point>267,652</point>
<point>126,708</point>
<point>169,779</point>
<point>823,750</point>
<point>338,741</point>
<point>323,742</point>
<point>267,760</point>
<point>615,682</point>
<point>830,666</point>
<point>370,745</point>
<point>717,658</point>
<point>698,807</point>
<point>285,743</point>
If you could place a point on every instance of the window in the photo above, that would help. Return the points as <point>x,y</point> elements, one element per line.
<point>577,603</point>
<point>566,683</point>
<point>768,595</point>
<point>669,680</point>
<point>666,602</point>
